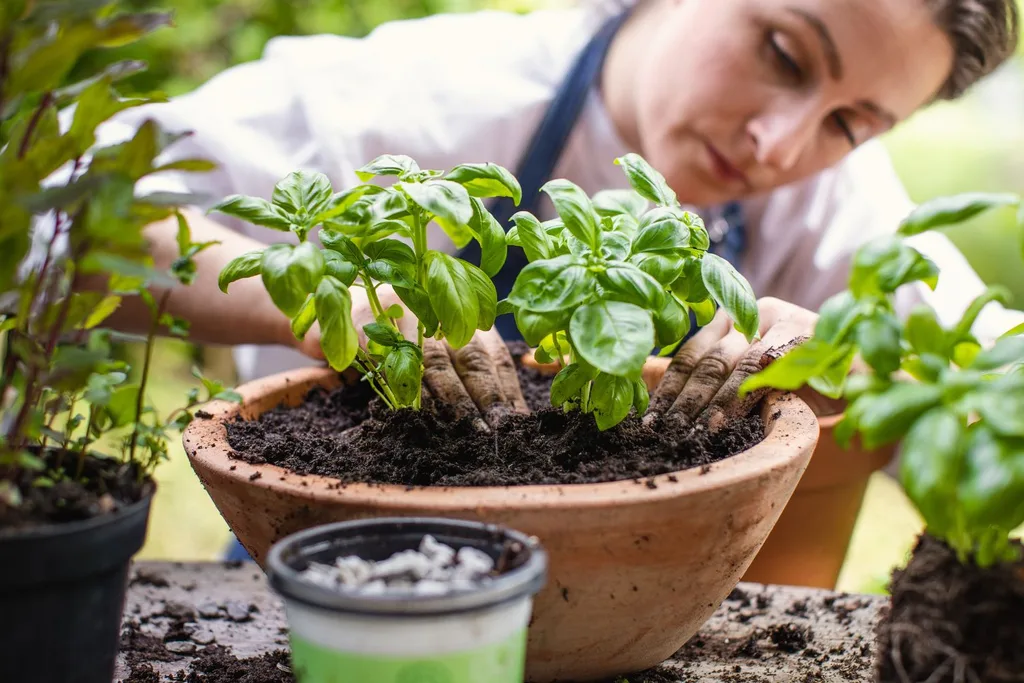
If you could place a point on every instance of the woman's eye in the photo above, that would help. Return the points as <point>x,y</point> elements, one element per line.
<point>844,127</point>
<point>784,60</point>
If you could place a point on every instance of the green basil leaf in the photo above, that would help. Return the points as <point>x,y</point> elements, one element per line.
<point>887,416</point>
<point>832,380</point>
<point>550,285</point>
<point>612,397</point>
<point>647,181</point>
<point>1002,412</point>
<point>704,312</point>
<point>613,336</point>
<point>493,248</point>
<point>504,307</point>
<point>303,194</point>
<point>991,489</point>
<point>254,210</point>
<point>641,396</point>
<point>387,164</point>
<point>536,326</point>
<point>732,292</point>
<point>793,370</point>
<point>385,335</point>
<point>341,202</point>
<point>944,211</point>
<point>879,341</point>
<point>446,200</point>
<point>575,210</point>
<point>403,369</point>
<point>338,337</point>
<point>613,203</point>
<point>418,301</point>
<point>487,180</point>
<point>542,356</point>
<point>662,230</point>
<point>665,268</point>
<point>569,382</point>
<point>996,293</point>
<point>337,242</point>
<point>535,241</point>
<point>1013,331</point>
<point>883,265</point>
<point>389,272</point>
<point>123,405</point>
<point>671,322</point>
<point>625,282</point>
<point>622,224</point>
<point>486,296</point>
<point>1005,351</point>
<point>931,464</point>
<point>338,267</point>
<point>290,274</point>
<point>614,246</point>
<point>397,252</point>
<point>924,333</point>
<point>836,318</point>
<point>304,319</point>
<point>453,297</point>
<point>689,286</point>
<point>246,265</point>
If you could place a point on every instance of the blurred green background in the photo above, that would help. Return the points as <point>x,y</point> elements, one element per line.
<point>973,144</point>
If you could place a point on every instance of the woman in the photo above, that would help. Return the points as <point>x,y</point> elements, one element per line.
<point>762,115</point>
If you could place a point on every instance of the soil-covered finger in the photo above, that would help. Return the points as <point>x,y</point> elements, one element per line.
<point>683,364</point>
<point>477,372</point>
<point>444,383</point>
<point>707,378</point>
<point>508,375</point>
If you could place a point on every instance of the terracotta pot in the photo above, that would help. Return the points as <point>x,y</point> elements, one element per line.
<point>634,570</point>
<point>808,545</point>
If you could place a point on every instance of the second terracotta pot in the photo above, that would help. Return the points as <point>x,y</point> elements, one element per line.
<point>635,569</point>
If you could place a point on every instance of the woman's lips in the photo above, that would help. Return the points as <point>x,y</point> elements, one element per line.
<point>723,169</point>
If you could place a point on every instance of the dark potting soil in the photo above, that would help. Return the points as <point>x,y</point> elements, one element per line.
<point>431,448</point>
<point>105,486</point>
<point>952,622</point>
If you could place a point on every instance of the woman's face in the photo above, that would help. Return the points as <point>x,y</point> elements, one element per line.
<point>735,97</point>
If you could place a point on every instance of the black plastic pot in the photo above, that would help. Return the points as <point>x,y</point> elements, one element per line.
<point>62,592</point>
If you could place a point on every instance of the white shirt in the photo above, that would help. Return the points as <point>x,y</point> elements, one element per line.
<point>459,88</point>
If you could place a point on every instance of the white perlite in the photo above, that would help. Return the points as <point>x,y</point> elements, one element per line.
<point>434,569</point>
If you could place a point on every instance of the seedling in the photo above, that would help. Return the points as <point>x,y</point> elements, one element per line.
<point>451,298</point>
<point>611,279</point>
<point>956,408</point>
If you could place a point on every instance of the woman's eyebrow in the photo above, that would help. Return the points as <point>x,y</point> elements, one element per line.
<point>828,44</point>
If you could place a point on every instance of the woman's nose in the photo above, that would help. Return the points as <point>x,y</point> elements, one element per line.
<point>783,135</point>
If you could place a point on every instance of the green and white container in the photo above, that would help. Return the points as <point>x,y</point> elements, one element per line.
<point>466,635</point>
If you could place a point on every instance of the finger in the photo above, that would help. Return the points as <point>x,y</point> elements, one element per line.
<point>727,404</point>
<point>476,371</point>
<point>505,368</point>
<point>683,364</point>
<point>708,376</point>
<point>443,381</point>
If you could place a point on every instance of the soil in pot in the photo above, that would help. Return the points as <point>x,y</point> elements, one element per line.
<point>431,448</point>
<point>952,623</point>
<point>105,486</point>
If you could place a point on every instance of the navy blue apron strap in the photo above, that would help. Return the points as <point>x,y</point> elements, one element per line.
<point>541,157</point>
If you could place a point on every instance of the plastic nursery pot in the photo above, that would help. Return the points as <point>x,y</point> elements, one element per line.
<point>62,592</point>
<point>465,636</point>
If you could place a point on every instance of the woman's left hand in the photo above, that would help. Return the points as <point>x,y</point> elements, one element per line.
<point>701,385</point>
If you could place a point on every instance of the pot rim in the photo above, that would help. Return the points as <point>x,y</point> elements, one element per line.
<point>521,582</point>
<point>57,529</point>
<point>792,434</point>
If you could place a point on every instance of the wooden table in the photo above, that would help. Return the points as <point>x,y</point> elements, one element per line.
<point>761,634</point>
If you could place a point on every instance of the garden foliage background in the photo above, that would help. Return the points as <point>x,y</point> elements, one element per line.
<point>973,144</point>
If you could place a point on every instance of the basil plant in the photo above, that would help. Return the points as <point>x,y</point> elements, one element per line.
<point>956,408</point>
<point>373,236</point>
<point>611,279</point>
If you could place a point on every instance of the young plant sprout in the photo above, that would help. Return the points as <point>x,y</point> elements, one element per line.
<point>956,408</point>
<point>450,298</point>
<point>610,280</point>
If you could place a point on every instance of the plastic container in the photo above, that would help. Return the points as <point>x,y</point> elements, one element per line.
<point>471,636</point>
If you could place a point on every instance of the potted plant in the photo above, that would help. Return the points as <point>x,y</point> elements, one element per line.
<point>78,437</point>
<point>955,409</point>
<point>635,521</point>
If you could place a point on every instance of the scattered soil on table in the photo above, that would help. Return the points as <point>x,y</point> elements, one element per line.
<point>952,622</point>
<point>216,665</point>
<point>106,486</point>
<point>431,448</point>
<point>659,674</point>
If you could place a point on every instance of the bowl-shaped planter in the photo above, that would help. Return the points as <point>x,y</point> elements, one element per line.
<point>634,570</point>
